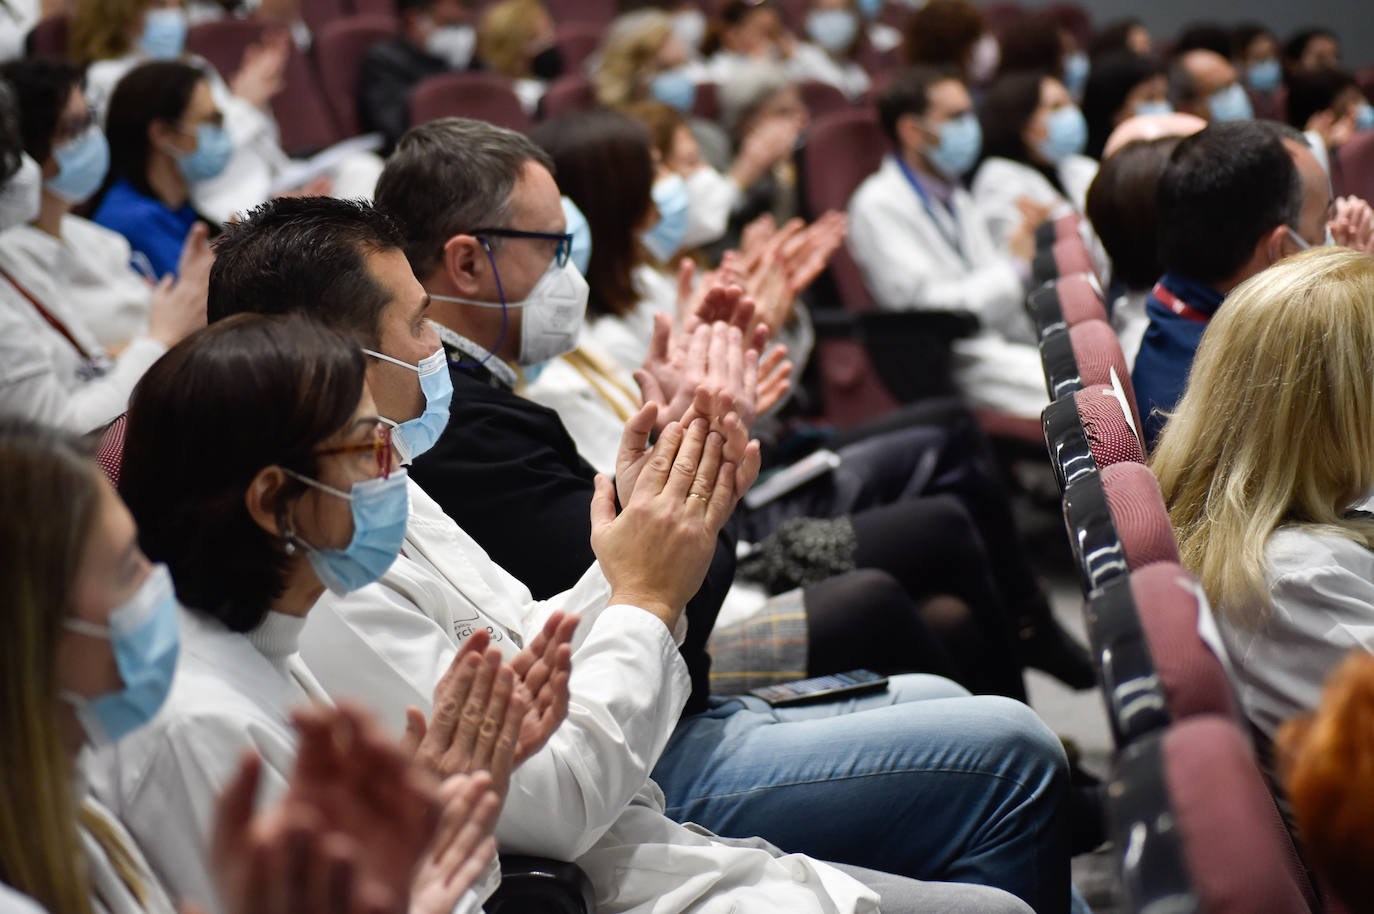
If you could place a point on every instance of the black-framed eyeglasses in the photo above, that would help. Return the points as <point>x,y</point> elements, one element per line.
<point>561,254</point>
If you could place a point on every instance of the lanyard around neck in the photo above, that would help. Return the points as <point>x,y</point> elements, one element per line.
<point>1178,305</point>
<point>948,226</point>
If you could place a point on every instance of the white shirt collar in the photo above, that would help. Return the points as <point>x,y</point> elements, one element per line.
<point>477,354</point>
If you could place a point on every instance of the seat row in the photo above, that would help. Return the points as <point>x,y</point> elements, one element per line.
<point>1193,821</point>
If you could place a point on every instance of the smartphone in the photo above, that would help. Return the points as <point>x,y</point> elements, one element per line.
<point>822,688</point>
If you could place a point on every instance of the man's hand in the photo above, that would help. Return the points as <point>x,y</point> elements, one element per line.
<point>655,553</point>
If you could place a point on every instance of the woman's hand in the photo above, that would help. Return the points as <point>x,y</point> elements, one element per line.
<point>262,74</point>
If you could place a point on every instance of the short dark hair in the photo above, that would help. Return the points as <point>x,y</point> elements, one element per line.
<point>1297,43</point>
<point>156,91</point>
<point>605,165</point>
<point>1183,89</point>
<point>1123,206</point>
<point>942,33</point>
<point>1114,36</point>
<point>1204,36</point>
<point>908,92</point>
<point>1113,77</point>
<point>1223,189</point>
<point>43,86</point>
<point>1311,91</point>
<point>451,176</point>
<point>246,393</point>
<point>1244,34</point>
<point>307,255</point>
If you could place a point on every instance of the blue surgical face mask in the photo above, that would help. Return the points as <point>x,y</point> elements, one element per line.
<point>164,34</point>
<point>1144,108</point>
<point>212,153</point>
<point>1230,104</point>
<point>82,162</point>
<point>415,436</point>
<point>675,89</point>
<point>833,30</point>
<point>1076,69</point>
<point>1364,116</point>
<point>577,226</point>
<point>665,238</point>
<point>1265,75</point>
<point>144,638</point>
<point>961,140</point>
<point>1066,133</point>
<point>380,508</point>
<point>869,9</point>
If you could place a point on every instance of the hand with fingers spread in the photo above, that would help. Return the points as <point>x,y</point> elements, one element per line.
<point>544,668</point>
<point>262,74</point>
<point>1352,224</point>
<point>479,709</point>
<point>463,844</point>
<point>656,552</point>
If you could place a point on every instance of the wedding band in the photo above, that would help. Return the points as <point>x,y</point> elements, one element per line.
<point>698,495</point>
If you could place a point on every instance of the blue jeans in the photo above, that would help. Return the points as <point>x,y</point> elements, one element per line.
<point>922,781</point>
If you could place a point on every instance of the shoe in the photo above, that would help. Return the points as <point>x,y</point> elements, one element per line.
<point>1045,646</point>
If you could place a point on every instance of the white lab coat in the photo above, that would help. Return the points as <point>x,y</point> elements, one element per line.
<point>89,266</point>
<point>586,796</point>
<point>908,263</point>
<point>1130,322</point>
<point>12,902</point>
<point>1322,589</point>
<point>231,693</point>
<point>1000,182</point>
<point>42,375</point>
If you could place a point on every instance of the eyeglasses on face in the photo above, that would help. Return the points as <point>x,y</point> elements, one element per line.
<point>564,239</point>
<point>380,446</point>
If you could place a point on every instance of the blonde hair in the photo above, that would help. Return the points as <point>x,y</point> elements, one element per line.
<point>506,31</point>
<point>48,504</point>
<point>100,29</point>
<point>1276,426</point>
<point>627,56</point>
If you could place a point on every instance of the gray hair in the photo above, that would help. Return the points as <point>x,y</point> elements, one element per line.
<point>452,176</point>
<point>750,84</point>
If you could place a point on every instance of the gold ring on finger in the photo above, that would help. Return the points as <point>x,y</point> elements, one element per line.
<point>704,499</point>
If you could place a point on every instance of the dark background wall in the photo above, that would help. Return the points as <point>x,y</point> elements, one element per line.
<point>1353,20</point>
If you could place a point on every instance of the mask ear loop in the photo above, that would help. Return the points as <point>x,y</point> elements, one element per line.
<point>505,312</point>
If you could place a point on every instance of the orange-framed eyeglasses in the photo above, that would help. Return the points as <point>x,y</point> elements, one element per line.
<point>380,445</point>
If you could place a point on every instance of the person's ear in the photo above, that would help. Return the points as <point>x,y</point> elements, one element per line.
<point>464,259</point>
<point>1275,244</point>
<point>264,502</point>
<point>910,134</point>
<point>161,135</point>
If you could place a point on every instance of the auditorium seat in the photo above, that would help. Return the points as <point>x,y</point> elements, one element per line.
<point>109,452</point>
<point>576,41</point>
<point>1098,552</point>
<point>1170,604</point>
<point>48,38</point>
<point>376,8</point>
<point>1066,257</point>
<point>596,12</point>
<point>1087,431</point>
<point>484,96</point>
<point>1001,17</point>
<point>304,117</point>
<point>568,95</point>
<point>1063,303</point>
<point>821,98</point>
<point>851,391</point>
<point>317,14</point>
<point>1084,355</point>
<point>1138,511</point>
<point>339,48</point>
<point>1356,173</point>
<point>1052,230</point>
<point>1195,828</point>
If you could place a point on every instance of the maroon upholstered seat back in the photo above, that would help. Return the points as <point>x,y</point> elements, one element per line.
<point>109,453</point>
<point>1139,514</point>
<point>1193,679</point>
<point>1109,434</point>
<point>1227,821</point>
<point>1097,352</point>
<point>484,96</point>
<point>340,46</point>
<point>1078,300</point>
<point>568,94</point>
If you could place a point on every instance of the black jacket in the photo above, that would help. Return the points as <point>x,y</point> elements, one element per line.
<point>389,70</point>
<point>509,473</point>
